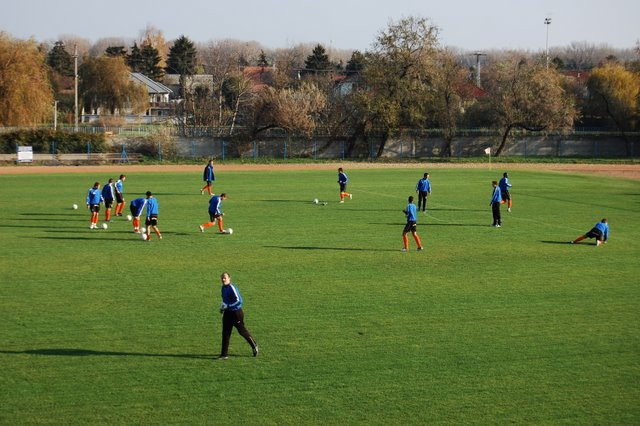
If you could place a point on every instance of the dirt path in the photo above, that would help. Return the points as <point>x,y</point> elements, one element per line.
<point>628,171</point>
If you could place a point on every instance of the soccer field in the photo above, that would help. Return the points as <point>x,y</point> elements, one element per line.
<point>485,325</point>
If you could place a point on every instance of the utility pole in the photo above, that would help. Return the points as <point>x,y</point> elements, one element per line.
<point>75,73</point>
<point>477,55</point>
<point>547,22</point>
<point>55,115</point>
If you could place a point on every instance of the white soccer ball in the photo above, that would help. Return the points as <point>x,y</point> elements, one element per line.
<point>143,230</point>
<point>129,217</point>
<point>229,231</point>
<point>316,201</point>
<point>105,226</point>
<point>75,207</point>
<point>143,236</point>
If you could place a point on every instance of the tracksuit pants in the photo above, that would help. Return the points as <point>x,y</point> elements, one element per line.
<point>235,319</point>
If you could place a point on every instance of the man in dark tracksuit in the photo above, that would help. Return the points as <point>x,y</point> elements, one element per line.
<point>423,188</point>
<point>496,198</point>
<point>208,176</point>
<point>233,316</point>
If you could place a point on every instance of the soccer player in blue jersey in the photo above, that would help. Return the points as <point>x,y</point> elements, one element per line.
<point>152,216</point>
<point>423,188</point>
<point>504,190</point>
<point>120,194</point>
<point>342,180</point>
<point>233,316</point>
<point>496,198</point>
<point>600,232</point>
<point>215,212</point>
<point>108,193</point>
<point>208,176</point>
<point>412,216</point>
<point>136,208</point>
<point>94,198</point>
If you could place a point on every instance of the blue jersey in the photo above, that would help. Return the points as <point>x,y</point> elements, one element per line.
<point>120,187</point>
<point>411,213</point>
<point>152,207</point>
<point>604,228</point>
<point>107,191</point>
<point>137,205</point>
<point>94,196</point>
<point>496,197</point>
<point>504,184</point>
<point>215,203</point>
<point>231,297</point>
<point>208,174</point>
<point>423,185</point>
<point>342,178</point>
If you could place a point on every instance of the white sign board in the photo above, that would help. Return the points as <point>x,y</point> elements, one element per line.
<point>25,154</point>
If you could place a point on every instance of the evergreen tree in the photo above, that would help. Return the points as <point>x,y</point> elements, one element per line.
<point>318,60</point>
<point>150,62</point>
<point>60,60</point>
<point>134,59</point>
<point>115,51</point>
<point>182,57</point>
<point>262,60</point>
<point>356,63</point>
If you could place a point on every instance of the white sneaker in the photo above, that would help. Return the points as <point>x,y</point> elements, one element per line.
<point>498,226</point>
<point>403,250</point>
<point>351,196</point>
<point>201,228</point>
<point>509,209</point>
<point>341,201</point>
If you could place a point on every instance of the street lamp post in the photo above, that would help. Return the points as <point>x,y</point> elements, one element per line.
<point>547,22</point>
<point>55,115</point>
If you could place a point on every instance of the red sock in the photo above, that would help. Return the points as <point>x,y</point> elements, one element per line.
<point>208,225</point>
<point>405,240</point>
<point>418,242</point>
<point>220,224</point>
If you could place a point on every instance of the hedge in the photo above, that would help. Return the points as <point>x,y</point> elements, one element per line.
<point>42,141</point>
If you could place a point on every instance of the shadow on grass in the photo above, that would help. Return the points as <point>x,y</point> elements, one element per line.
<point>566,243</point>
<point>70,229</point>
<point>285,201</point>
<point>428,224</point>
<point>49,214</point>
<point>327,248</point>
<point>57,219</point>
<point>136,240</point>
<point>89,352</point>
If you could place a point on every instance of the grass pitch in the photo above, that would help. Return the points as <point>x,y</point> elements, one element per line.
<point>485,326</point>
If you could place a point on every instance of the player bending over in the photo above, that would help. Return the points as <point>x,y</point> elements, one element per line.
<point>136,208</point>
<point>600,232</point>
<point>152,216</point>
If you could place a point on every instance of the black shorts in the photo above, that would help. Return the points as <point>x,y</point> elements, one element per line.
<point>153,220</point>
<point>343,187</point>
<point>108,202</point>
<point>209,182</point>
<point>595,233</point>
<point>410,227</point>
<point>505,195</point>
<point>95,208</point>
<point>213,216</point>
<point>119,198</point>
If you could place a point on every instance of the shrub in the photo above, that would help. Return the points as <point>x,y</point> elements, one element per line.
<point>42,140</point>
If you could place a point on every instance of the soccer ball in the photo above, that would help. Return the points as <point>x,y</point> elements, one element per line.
<point>143,236</point>
<point>229,231</point>
<point>75,207</point>
<point>129,217</point>
<point>143,230</point>
<point>104,226</point>
<point>315,201</point>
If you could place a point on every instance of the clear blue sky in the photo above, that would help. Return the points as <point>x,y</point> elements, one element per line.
<point>343,24</point>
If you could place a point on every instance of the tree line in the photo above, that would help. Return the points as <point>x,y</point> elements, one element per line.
<point>406,80</point>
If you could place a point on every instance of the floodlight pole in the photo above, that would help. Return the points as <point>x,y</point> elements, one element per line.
<point>75,74</point>
<point>547,22</point>
<point>477,55</point>
<point>55,115</point>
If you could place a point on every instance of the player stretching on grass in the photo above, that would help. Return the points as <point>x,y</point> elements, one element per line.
<point>215,212</point>
<point>208,176</point>
<point>94,198</point>
<point>342,180</point>
<point>152,216</point>
<point>423,188</point>
<point>600,232</point>
<point>136,208</point>
<point>107,195</point>
<point>504,190</point>
<point>412,215</point>
<point>120,195</point>
<point>233,316</point>
<point>495,204</point>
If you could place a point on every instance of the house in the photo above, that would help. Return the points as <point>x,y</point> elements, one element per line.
<point>192,83</point>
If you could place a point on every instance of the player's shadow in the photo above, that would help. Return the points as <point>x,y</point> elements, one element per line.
<point>77,238</point>
<point>49,219</point>
<point>427,224</point>
<point>48,214</point>
<point>89,352</point>
<point>326,248</point>
<point>286,201</point>
<point>37,227</point>
<point>566,243</point>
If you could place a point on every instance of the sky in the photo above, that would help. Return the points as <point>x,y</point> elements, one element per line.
<point>342,24</point>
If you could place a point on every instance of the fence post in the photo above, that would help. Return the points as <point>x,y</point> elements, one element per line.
<point>343,150</point>
<point>401,153</point>
<point>193,150</point>
<point>285,150</point>
<point>315,150</point>
<point>255,150</point>
<point>159,151</point>
<point>53,150</point>
<point>525,148</point>
<point>88,150</point>
<point>222,148</point>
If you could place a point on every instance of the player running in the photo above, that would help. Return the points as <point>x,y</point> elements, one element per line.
<point>600,232</point>
<point>108,192</point>
<point>342,180</point>
<point>215,212</point>
<point>208,176</point>
<point>136,208</point>
<point>423,188</point>
<point>504,190</point>
<point>120,194</point>
<point>412,216</point>
<point>152,216</point>
<point>94,198</point>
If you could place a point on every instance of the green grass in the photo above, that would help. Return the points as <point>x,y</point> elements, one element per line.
<point>487,325</point>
